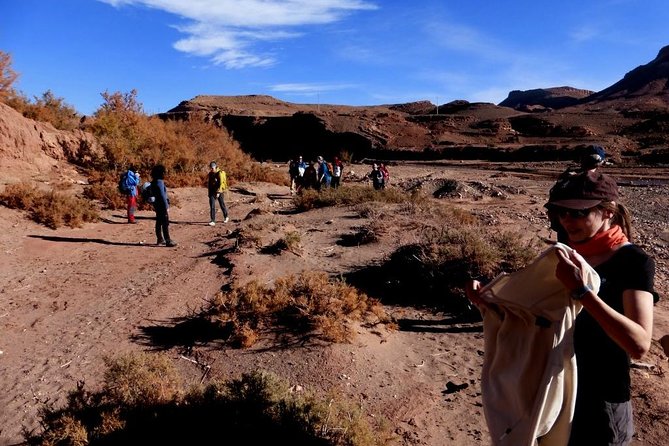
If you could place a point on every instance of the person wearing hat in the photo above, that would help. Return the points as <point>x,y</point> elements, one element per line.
<point>592,157</point>
<point>217,184</point>
<point>616,323</point>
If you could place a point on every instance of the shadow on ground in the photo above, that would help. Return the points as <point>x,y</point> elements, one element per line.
<point>53,238</point>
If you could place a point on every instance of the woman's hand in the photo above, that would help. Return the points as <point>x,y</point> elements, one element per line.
<point>472,289</point>
<point>570,269</point>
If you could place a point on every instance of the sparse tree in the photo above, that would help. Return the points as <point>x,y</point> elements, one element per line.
<point>7,76</point>
<point>118,102</point>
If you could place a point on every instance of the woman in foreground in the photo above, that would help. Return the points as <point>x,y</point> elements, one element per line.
<point>616,323</point>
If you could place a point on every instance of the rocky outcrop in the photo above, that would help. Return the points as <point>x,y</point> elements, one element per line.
<point>29,147</point>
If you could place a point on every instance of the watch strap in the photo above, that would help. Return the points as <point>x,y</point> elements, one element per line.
<point>580,292</point>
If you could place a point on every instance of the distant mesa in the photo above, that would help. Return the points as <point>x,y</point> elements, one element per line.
<point>542,99</point>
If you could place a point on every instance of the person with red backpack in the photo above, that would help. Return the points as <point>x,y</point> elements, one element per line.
<point>337,172</point>
<point>386,175</point>
<point>128,186</point>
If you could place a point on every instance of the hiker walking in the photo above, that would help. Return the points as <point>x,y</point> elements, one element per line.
<point>310,177</point>
<point>324,174</point>
<point>386,175</point>
<point>616,322</point>
<point>128,186</point>
<point>296,170</point>
<point>161,205</point>
<point>217,184</point>
<point>337,172</point>
<point>376,176</point>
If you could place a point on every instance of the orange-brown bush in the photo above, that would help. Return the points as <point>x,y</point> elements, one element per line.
<point>142,402</point>
<point>7,76</point>
<point>309,304</point>
<point>348,195</point>
<point>51,208</point>
<point>185,148</point>
<point>48,108</point>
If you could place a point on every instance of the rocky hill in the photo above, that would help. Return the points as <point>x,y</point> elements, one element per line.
<point>645,88</point>
<point>630,119</point>
<point>30,149</point>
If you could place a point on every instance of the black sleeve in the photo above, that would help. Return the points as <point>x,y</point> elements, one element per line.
<point>640,274</point>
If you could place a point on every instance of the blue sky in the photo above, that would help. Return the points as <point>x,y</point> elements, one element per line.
<point>354,52</point>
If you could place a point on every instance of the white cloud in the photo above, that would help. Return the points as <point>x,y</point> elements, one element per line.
<point>226,30</point>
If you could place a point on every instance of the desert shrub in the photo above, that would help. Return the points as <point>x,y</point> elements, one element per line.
<point>434,270</point>
<point>185,148</point>
<point>103,187</point>
<point>257,408</point>
<point>52,109</point>
<point>247,237</point>
<point>140,379</point>
<point>310,304</point>
<point>347,195</point>
<point>364,235</point>
<point>52,209</point>
<point>289,242</point>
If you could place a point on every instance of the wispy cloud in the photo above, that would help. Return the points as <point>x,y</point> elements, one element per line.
<point>227,30</point>
<point>584,34</point>
<point>308,89</point>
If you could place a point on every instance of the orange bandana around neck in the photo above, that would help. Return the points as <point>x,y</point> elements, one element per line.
<point>600,242</point>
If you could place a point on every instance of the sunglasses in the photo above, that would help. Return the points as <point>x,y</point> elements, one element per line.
<point>573,213</point>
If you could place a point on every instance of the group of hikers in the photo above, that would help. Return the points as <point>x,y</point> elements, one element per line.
<point>316,175</point>
<point>320,174</point>
<point>155,193</point>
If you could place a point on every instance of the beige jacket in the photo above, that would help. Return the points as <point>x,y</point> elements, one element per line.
<point>529,368</point>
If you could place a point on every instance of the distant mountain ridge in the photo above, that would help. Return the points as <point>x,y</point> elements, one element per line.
<point>646,86</point>
<point>628,117</point>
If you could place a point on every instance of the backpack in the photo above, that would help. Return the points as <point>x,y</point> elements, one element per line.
<point>123,184</point>
<point>329,167</point>
<point>147,193</point>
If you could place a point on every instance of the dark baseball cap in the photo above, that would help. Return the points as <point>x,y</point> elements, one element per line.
<point>582,191</point>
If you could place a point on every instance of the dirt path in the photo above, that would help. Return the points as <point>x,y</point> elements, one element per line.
<point>70,297</point>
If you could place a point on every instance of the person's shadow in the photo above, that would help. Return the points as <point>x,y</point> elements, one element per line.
<point>53,238</point>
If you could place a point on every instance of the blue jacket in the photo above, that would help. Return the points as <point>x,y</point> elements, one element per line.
<point>324,172</point>
<point>162,204</point>
<point>132,181</point>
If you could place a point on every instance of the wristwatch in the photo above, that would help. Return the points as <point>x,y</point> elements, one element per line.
<point>579,292</point>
